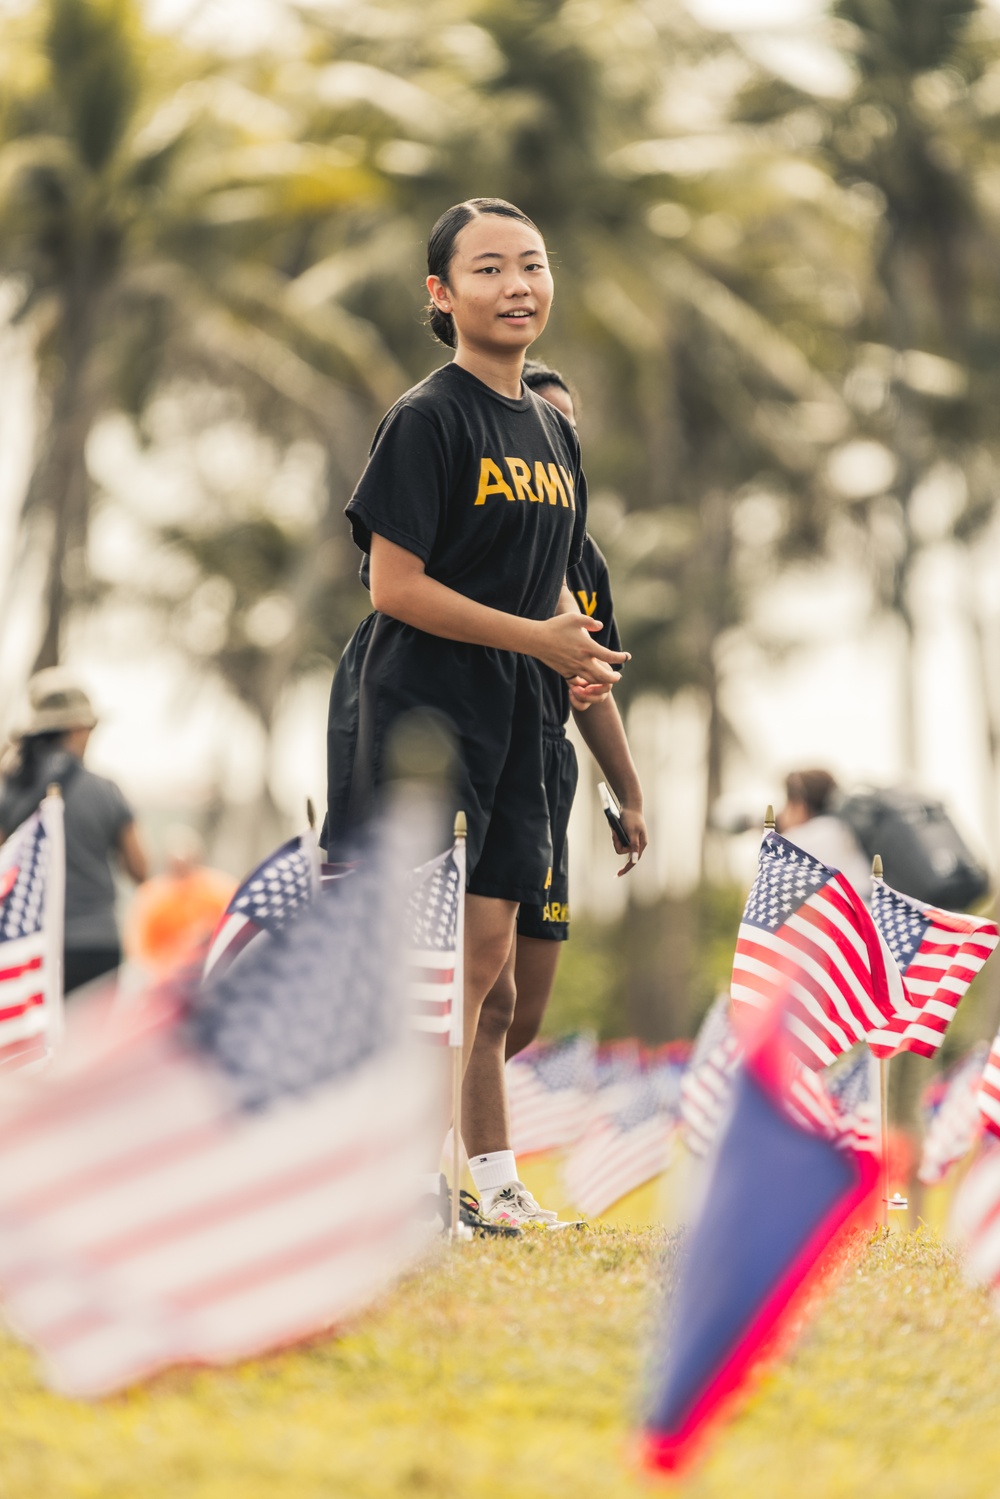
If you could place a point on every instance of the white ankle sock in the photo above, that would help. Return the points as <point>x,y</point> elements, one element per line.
<point>495,1169</point>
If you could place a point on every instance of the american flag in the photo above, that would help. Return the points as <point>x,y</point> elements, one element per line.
<point>853,1087</point>
<point>955,1123</point>
<point>32,881</point>
<point>806,934</point>
<point>707,1083</point>
<point>234,1170</point>
<point>628,1145</point>
<point>433,923</point>
<point>548,1089</point>
<point>938,953</point>
<point>975,1220</point>
<point>270,897</point>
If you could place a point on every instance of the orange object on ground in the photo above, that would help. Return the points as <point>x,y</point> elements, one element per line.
<point>174,914</point>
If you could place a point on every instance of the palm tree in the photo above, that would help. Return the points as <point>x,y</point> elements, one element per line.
<point>148,197</point>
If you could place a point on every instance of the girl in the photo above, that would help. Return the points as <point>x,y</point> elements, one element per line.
<point>471,508</point>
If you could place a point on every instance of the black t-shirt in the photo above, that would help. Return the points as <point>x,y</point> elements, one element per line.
<point>590,585</point>
<point>487,491</point>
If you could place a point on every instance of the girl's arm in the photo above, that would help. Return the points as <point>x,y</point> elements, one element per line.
<point>603,733</point>
<point>401,588</point>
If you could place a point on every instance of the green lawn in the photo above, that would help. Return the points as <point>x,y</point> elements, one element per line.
<point>515,1367</point>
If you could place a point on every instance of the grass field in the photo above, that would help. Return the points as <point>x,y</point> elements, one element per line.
<point>515,1368</point>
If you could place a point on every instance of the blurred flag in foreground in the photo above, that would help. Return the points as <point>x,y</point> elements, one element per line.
<point>227,1172</point>
<point>774,1204</point>
<point>32,885</point>
<point>989,1089</point>
<point>938,953</point>
<point>806,934</point>
<point>954,1123</point>
<point>548,1089</point>
<point>975,1220</point>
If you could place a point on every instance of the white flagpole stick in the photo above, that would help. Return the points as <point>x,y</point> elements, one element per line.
<point>456,1035</point>
<point>55,913</point>
<point>883,1079</point>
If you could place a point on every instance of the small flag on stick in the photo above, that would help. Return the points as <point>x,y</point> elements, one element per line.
<point>32,886</point>
<point>807,935</point>
<point>271,896</point>
<point>938,954</point>
<point>548,1090</point>
<point>955,1122</point>
<point>706,1087</point>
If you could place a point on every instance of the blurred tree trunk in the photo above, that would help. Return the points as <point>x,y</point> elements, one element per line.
<point>660,943</point>
<point>59,488</point>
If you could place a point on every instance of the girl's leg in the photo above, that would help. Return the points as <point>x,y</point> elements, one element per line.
<point>489,1005</point>
<point>535,964</point>
<point>489,940</point>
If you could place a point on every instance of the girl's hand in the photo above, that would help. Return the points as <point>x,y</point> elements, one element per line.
<point>563,643</point>
<point>583,695</point>
<point>634,824</point>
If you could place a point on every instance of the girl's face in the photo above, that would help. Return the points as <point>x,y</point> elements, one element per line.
<point>499,287</point>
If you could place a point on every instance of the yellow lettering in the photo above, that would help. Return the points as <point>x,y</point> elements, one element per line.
<point>548,483</point>
<point>491,481</point>
<point>587,605</point>
<point>548,879</point>
<point>557,911</point>
<point>520,472</point>
<point>570,487</point>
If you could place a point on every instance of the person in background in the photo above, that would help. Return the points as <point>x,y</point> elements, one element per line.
<point>175,913</point>
<point>525,985</point>
<point>100,827</point>
<point>809,820</point>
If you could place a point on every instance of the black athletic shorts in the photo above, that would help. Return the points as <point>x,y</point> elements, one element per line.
<point>550,920</point>
<point>492,702</point>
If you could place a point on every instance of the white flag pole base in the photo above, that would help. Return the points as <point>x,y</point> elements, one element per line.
<point>456,1139</point>
<point>456,1036</point>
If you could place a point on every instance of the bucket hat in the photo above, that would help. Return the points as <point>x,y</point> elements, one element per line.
<point>57,702</point>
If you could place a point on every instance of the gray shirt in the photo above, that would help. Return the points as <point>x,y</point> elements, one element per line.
<point>96,812</point>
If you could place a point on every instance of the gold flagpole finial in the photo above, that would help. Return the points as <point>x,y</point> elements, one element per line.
<point>769,819</point>
<point>54,789</point>
<point>877,867</point>
<point>461,826</point>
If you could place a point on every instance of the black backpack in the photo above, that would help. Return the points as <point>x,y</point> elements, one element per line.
<point>922,851</point>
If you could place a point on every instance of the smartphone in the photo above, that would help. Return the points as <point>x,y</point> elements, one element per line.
<point>612,812</point>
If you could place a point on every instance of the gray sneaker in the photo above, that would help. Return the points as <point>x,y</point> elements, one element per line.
<point>514,1205</point>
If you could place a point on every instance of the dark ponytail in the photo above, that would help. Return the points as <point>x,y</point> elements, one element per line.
<point>441,250</point>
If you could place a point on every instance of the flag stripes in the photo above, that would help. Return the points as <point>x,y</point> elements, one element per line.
<point>807,939</point>
<point>31,923</point>
<point>938,954</point>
